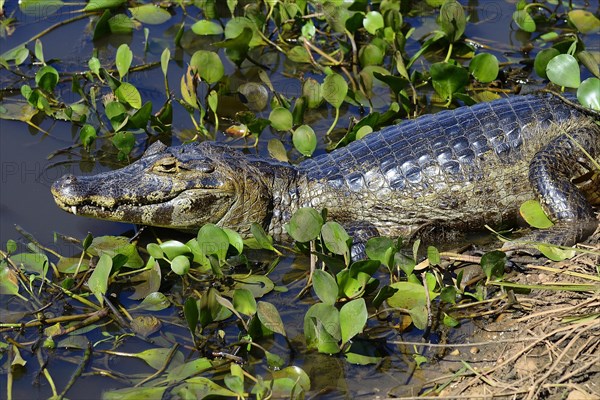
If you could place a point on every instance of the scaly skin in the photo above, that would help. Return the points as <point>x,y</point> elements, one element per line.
<point>456,170</point>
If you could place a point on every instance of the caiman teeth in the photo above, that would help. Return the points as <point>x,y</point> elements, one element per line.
<point>74,210</point>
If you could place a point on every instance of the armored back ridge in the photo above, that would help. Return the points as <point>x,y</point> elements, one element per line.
<point>457,170</point>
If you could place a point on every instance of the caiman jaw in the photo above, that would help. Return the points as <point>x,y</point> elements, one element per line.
<point>178,210</point>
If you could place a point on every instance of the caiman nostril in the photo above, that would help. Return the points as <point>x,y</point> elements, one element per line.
<point>68,179</point>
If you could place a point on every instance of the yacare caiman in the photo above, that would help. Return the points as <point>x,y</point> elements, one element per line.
<point>456,170</point>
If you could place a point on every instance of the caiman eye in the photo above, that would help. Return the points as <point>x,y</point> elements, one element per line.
<point>166,165</point>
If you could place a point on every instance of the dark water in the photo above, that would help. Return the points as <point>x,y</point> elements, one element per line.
<point>26,175</point>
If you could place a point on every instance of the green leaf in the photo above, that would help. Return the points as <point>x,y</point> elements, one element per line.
<point>265,241</point>
<point>452,20</point>
<point>123,59</point>
<point>150,14</point>
<point>312,91</point>
<point>448,79</point>
<point>298,54</point>
<point>433,255</point>
<point>244,302</point>
<point>95,5</point>
<point>555,253</point>
<point>236,26</point>
<point>46,78</point>
<point>322,328</point>
<point>493,264</point>
<point>165,57</point>
<point>98,281</point>
<point>32,262</point>
<point>541,61</point>
<point>183,371</point>
<point>524,20</point>
<point>353,317</point>
<point>235,239</point>
<point>277,150</point>
<point>372,22</point>
<point>484,67</point>
<point>121,24</point>
<point>173,248</point>
<point>180,265</point>
<point>87,135</point>
<point>124,141</point>
<point>156,357</point>
<point>190,311</point>
<point>39,51</point>
<point>584,21</point>
<point>155,301</point>
<point>134,393</point>
<point>205,27</point>
<point>588,93</point>
<point>409,295</point>
<point>209,65</point>
<point>334,89</point>
<point>533,213</point>
<point>563,70</point>
<point>325,287</point>
<point>382,249</point>
<point>128,94</point>
<point>281,119</point>
<point>213,240</point>
<point>269,317</point>
<point>335,238</point>
<point>305,225</point>
<point>305,140</point>
<point>9,282</point>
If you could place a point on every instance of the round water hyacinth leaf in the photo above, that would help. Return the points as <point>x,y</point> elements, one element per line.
<point>235,239</point>
<point>584,21</point>
<point>235,26</point>
<point>541,61</point>
<point>372,22</point>
<point>305,140</point>
<point>281,119</point>
<point>298,54</point>
<point>213,240</point>
<point>334,89</point>
<point>121,24</point>
<point>563,70</point>
<point>312,91</point>
<point>524,20</point>
<point>150,14</point>
<point>484,67</point>
<point>87,135</point>
<point>205,27</point>
<point>588,93</point>
<point>448,79</point>
<point>174,248</point>
<point>305,225</point>
<point>452,20</point>
<point>335,238</point>
<point>46,78</point>
<point>209,65</point>
<point>128,94</point>
<point>255,94</point>
<point>180,265</point>
<point>370,55</point>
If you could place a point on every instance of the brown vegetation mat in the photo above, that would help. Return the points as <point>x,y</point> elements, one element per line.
<point>544,344</point>
<point>548,349</point>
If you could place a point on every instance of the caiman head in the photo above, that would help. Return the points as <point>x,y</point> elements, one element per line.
<point>179,187</point>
